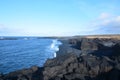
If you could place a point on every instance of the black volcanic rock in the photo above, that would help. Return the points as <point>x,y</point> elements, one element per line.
<point>99,47</point>
<point>80,67</point>
<point>66,48</point>
<point>33,73</point>
<point>100,61</point>
<point>87,44</point>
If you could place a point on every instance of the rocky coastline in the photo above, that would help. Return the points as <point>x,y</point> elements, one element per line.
<point>86,58</point>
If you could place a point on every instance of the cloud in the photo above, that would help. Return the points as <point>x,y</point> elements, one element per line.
<point>112,21</point>
<point>118,19</point>
<point>104,15</point>
<point>106,24</point>
<point>6,30</point>
<point>2,26</point>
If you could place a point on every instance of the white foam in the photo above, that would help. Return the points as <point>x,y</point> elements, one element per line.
<point>55,46</point>
<point>54,54</point>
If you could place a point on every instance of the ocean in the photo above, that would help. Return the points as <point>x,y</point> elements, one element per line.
<point>16,54</point>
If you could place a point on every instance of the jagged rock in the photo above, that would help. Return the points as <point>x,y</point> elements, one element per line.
<point>33,73</point>
<point>87,44</point>
<point>22,77</point>
<point>34,68</point>
<point>86,67</point>
<point>90,66</point>
<point>1,76</point>
<point>51,70</point>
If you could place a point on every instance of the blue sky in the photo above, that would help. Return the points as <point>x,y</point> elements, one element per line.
<point>59,17</point>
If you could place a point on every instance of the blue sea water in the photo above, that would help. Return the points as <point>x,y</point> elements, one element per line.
<point>24,53</point>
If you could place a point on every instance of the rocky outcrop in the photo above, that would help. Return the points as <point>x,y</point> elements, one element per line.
<point>33,73</point>
<point>85,67</point>
<point>96,46</point>
<point>99,60</point>
<point>78,59</point>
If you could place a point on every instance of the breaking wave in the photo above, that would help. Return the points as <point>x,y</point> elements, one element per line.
<point>55,46</point>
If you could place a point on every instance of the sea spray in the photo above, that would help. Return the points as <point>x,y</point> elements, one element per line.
<point>55,46</point>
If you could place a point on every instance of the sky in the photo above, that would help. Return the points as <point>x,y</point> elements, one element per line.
<point>59,17</point>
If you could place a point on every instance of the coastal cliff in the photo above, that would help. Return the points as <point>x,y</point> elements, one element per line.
<point>86,58</point>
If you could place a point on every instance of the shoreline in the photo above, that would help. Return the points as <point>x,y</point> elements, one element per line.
<point>77,58</point>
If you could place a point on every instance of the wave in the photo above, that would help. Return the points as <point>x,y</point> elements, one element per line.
<point>55,46</point>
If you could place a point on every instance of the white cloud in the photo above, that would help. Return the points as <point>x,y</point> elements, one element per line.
<point>107,24</point>
<point>104,15</point>
<point>118,19</point>
<point>106,19</point>
<point>112,21</point>
<point>2,26</point>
